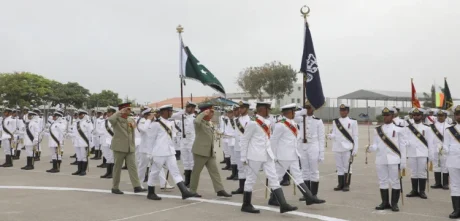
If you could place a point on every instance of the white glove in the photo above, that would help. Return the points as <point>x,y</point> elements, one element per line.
<point>321,157</point>
<point>368,148</point>
<point>402,166</point>
<point>330,136</point>
<point>244,160</point>
<point>355,151</point>
<point>35,142</point>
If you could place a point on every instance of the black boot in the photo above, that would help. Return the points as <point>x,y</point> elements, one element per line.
<point>309,198</point>
<point>414,191</point>
<point>92,150</point>
<point>75,162</point>
<point>111,170</point>
<point>437,180</point>
<point>347,182</point>
<point>384,194</point>
<point>80,165</point>
<point>177,154</point>
<point>341,182</point>
<point>187,175</point>
<point>234,171</point>
<point>445,181</point>
<point>422,185</point>
<point>183,189</point>
<point>83,168</point>
<point>96,155</point>
<point>395,194</point>
<point>285,181</point>
<point>247,206</point>
<point>55,167</point>
<point>307,183</point>
<point>284,206</point>
<point>151,193</point>
<point>29,165</point>
<point>8,161</point>
<point>37,156</point>
<point>74,156</point>
<point>223,161</point>
<point>314,186</point>
<point>104,163</point>
<point>240,189</point>
<point>17,155</point>
<point>272,201</point>
<point>146,176</point>
<point>107,173</point>
<point>456,206</point>
<point>227,164</point>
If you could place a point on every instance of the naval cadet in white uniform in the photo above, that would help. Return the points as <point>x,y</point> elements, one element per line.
<point>56,141</point>
<point>106,141</point>
<point>441,174</point>
<point>82,134</point>
<point>390,158</point>
<point>451,149</point>
<point>345,146</point>
<point>240,123</point>
<point>31,138</point>
<point>419,153</point>
<point>8,128</point>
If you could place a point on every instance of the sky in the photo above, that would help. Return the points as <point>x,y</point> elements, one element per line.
<point>132,47</point>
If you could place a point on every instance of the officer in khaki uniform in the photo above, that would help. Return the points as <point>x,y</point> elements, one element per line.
<point>203,152</point>
<point>123,147</point>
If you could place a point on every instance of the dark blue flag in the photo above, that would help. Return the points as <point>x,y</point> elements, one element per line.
<point>311,72</point>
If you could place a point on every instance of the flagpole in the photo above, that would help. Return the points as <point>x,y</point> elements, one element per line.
<point>411,91</point>
<point>180,29</point>
<point>305,15</point>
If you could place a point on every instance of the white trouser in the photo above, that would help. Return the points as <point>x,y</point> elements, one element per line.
<point>225,149</point>
<point>157,166</point>
<point>309,162</point>
<point>107,153</point>
<point>144,161</point>
<point>187,158</point>
<point>55,156</point>
<point>97,142</point>
<point>437,167</point>
<point>30,151</point>
<point>6,147</point>
<point>388,174</point>
<point>82,154</point>
<point>137,153</point>
<point>454,174</point>
<point>231,149</point>
<point>293,166</point>
<point>342,162</point>
<point>253,168</point>
<point>241,168</point>
<point>418,167</point>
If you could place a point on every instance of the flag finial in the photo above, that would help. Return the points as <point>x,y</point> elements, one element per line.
<point>180,29</point>
<point>305,13</point>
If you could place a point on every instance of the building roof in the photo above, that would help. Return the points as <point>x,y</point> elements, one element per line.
<point>176,101</point>
<point>381,95</point>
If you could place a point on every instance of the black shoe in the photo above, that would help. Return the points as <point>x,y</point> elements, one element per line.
<point>75,162</point>
<point>414,192</point>
<point>183,189</point>
<point>307,183</point>
<point>55,167</point>
<point>272,201</point>
<point>285,181</point>
<point>107,173</point>
<point>111,170</point>
<point>347,182</point>
<point>247,206</point>
<point>80,166</point>
<point>222,193</point>
<point>29,165</point>
<point>234,169</point>
<point>17,155</point>
<point>284,206</point>
<point>227,164</point>
<point>422,185</point>
<point>340,179</point>
<point>395,194</point>
<point>445,181</point>
<point>309,198</point>
<point>456,206</point>
<point>314,186</point>
<point>385,196</point>
<point>84,168</point>
<point>73,156</point>
<point>96,155</point>
<point>104,163</point>
<point>187,175</point>
<point>177,155</point>
<point>8,161</point>
<point>116,191</point>
<point>240,189</point>
<point>151,193</point>
<point>93,150</point>
<point>437,180</point>
<point>139,189</point>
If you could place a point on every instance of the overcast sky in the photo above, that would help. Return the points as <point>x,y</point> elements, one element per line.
<point>132,47</point>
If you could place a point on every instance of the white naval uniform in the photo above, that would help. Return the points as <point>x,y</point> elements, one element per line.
<point>163,151</point>
<point>439,160</point>
<point>399,122</point>
<point>46,132</point>
<point>244,120</point>
<point>79,143</point>
<point>223,122</point>
<point>341,146</point>
<point>137,139</point>
<point>430,119</point>
<point>34,128</point>
<point>386,160</point>
<point>99,131</point>
<point>106,141</point>
<point>8,124</point>
<point>312,152</point>
<point>58,129</point>
<point>417,152</point>
<point>229,139</point>
<point>178,131</point>
<point>187,142</point>
<point>20,132</point>
<point>451,148</point>
<point>145,148</point>
<point>72,134</point>
<point>257,153</point>
<point>285,143</point>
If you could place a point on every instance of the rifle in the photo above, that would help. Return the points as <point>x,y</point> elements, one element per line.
<point>349,166</point>
<point>400,183</point>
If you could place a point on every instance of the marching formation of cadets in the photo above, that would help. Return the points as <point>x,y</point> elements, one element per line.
<point>286,148</point>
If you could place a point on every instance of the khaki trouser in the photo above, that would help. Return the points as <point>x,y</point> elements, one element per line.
<point>119,158</point>
<point>210,163</point>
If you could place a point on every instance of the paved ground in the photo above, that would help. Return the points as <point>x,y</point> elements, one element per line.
<point>37,195</point>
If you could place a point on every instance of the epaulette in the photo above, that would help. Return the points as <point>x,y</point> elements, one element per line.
<point>281,121</point>
<point>427,125</point>
<point>398,125</point>
<point>316,118</point>
<point>88,121</point>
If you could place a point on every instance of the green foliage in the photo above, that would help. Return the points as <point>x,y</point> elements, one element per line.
<point>103,99</point>
<point>273,78</point>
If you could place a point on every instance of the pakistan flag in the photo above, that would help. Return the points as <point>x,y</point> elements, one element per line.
<point>191,68</point>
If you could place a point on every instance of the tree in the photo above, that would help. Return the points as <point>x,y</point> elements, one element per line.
<point>103,99</point>
<point>21,88</point>
<point>273,78</point>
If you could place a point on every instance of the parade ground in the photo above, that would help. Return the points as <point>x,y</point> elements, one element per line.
<point>40,196</point>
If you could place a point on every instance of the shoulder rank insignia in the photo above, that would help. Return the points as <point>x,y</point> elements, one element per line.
<point>316,118</point>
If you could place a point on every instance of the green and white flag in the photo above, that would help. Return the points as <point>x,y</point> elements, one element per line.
<point>191,68</point>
